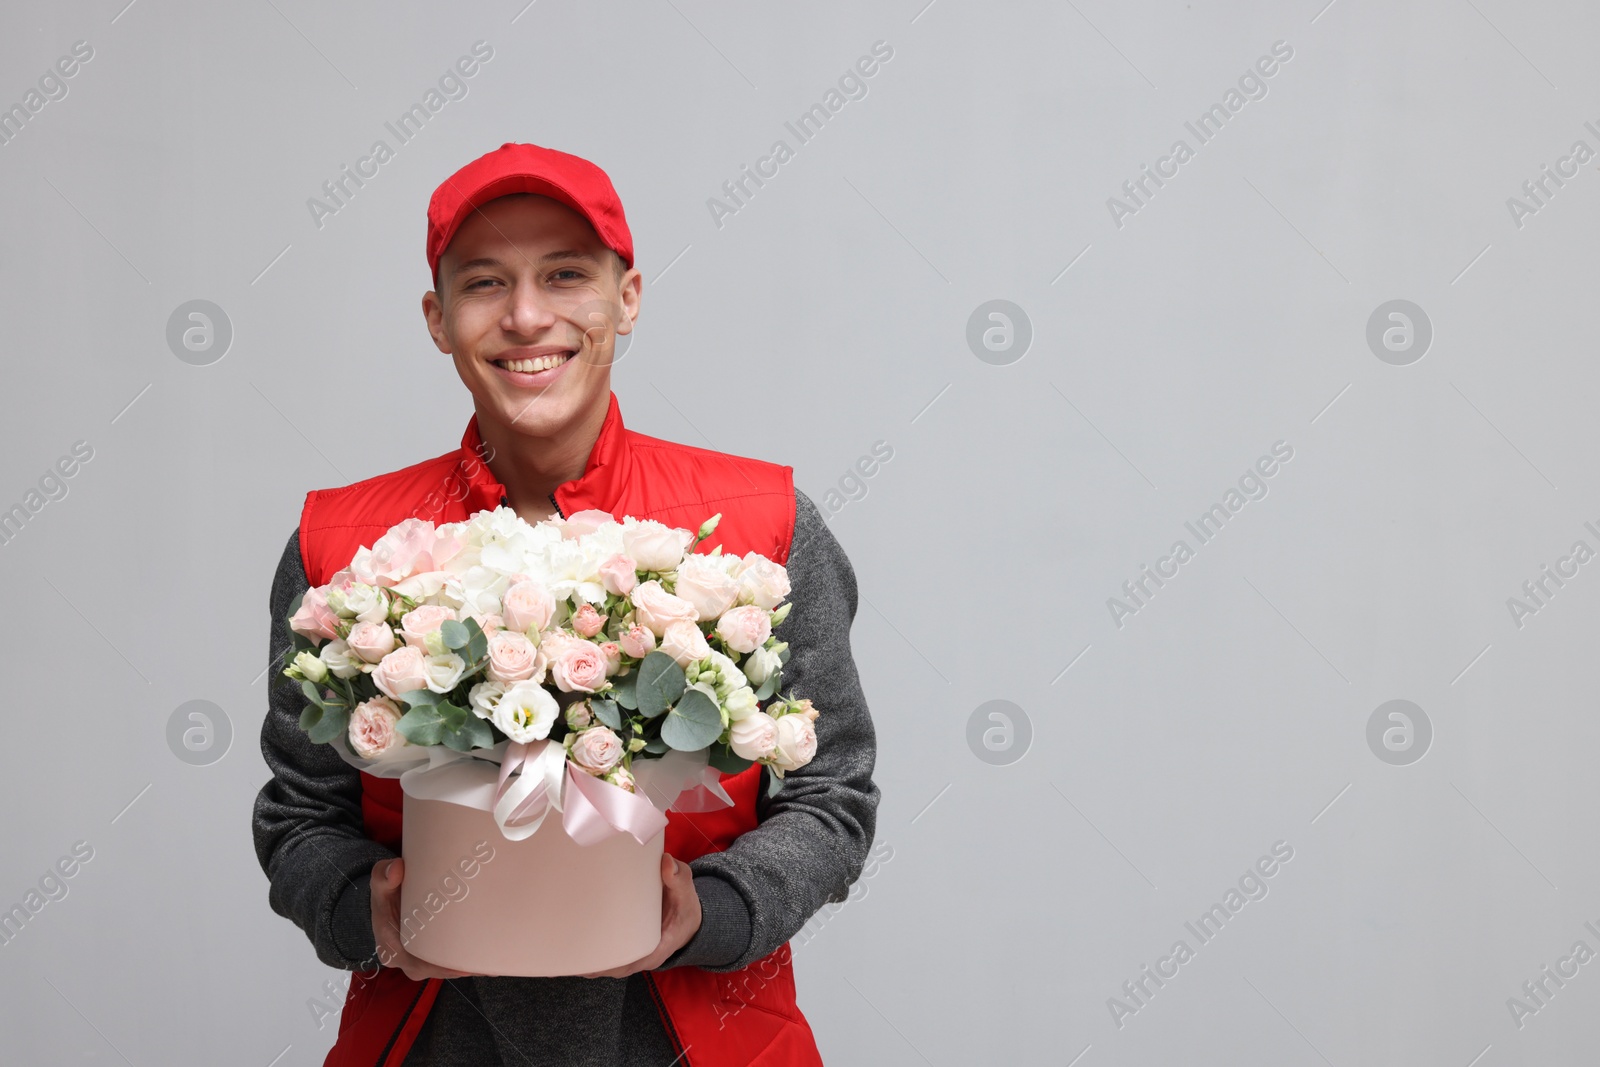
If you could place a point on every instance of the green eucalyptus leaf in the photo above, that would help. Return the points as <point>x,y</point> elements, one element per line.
<point>623,690</point>
<point>472,733</point>
<point>655,746</point>
<point>768,687</point>
<point>309,717</point>
<point>334,721</point>
<point>661,682</point>
<point>606,712</point>
<point>418,698</point>
<point>422,725</point>
<point>454,634</point>
<point>693,723</point>
<point>774,783</point>
<point>312,693</point>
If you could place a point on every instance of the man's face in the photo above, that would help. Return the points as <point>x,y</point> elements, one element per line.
<point>529,304</point>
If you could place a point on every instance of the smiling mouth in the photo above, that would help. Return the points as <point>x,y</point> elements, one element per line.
<point>534,365</point>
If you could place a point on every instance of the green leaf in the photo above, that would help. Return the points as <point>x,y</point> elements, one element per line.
<point>623,690</point>
<point>477,646</point>
<point>334,721</point>
<point>768,687</point>
<point>661,682</point>
<point>309,717</point>
<point>606,712</point>
<point>774,783</point>
<point>783,656</point>
<point>693,723</point>
<point>422,725</point>
<point>655,745</point>
<point>312,693</point>
<point>417,698</point>
<point>726,760</point>
<point>454,634</point>
<point>471,734</point>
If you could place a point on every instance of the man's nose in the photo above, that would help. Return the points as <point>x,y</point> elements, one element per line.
<point>530,310</point>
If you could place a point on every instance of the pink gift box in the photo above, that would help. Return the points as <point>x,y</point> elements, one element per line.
<point>538,907</point>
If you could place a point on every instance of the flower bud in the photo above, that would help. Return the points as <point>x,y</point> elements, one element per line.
<point>310,667</point>
<point>708,526</point>
<point>782,613</point>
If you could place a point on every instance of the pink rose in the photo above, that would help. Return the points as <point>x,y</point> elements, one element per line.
<point>619,574</point>
<point>797,742</point>
<point>512,657</point>
<point>419,622</point>
<point>596,750</point>
<point>587,621</point>
<point>488,623</point>
<point>613,654</point>
<point>654,546</point>
<point>582,523</point>
<point>373,728</point>
<point>622,778</point>
<point>656,607</point>
<point>703,582</point>
<point>371,640</point>
<point>754,737</point>
<point>579,666</point>
<point>405,550</point>
<point>763,581</point>
<point>637,641</point>
<point>401,671</point>
<point>527,605</point>
<point>745,629</point>
<point>684,643</point>
<point>315,620</point>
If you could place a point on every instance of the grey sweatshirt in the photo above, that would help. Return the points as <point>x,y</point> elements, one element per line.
<point>810,846</point>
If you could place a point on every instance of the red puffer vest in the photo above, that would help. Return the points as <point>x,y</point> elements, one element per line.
<point>715,1019</point>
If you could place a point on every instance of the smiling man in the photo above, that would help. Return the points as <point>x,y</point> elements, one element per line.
<point>534,279</point>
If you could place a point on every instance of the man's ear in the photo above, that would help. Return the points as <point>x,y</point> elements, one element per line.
<point>433,314</point>
<point>629,289</point>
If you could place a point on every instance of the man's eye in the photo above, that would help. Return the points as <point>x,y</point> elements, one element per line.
<point>481,281</point>
<point>568,270</point>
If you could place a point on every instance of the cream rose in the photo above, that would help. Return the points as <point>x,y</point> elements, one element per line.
<point>512,657</point>
<point>797,742</point>
<point>740,704</point>
<point>654,546</point>
<point>444,671</point>
<point>527,605</point>
<point>745,628</point>
<point>401,671</point>
<point>760,664</point>
<point>596,750</point>
<point>754,737</point>
<point>684,643</point>
<point>419,622</point>
<point>580,666</point>
<point>373,728</point>
<point>705,582</point>
<point>763,582</point>
<point>365,603</point>
<point>656,608</point>
<point>526,712</point>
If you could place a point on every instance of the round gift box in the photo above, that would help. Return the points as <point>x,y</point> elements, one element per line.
<point>543,906</point>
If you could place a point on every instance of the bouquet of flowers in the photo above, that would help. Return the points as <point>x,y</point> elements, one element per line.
<point>615,640</point>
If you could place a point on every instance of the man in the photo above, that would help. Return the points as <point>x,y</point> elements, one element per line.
<point>533,281</point>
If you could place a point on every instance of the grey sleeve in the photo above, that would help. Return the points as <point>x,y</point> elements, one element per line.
<point>307,819</point>
<point>814,836</point>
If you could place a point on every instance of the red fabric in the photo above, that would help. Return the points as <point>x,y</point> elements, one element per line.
<point>744,1017</point>
<point>527,168</point>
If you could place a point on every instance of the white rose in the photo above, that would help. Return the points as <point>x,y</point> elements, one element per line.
<point>336,654</point>
<point>760,664</point>
<point>526,712</point>
<point>762,582</point>
<point>366,603</point>
<point>754,737</point>
<point>311,667</point>
<point>444,671</point>
<point>741,703</point>
<point>483,697</point>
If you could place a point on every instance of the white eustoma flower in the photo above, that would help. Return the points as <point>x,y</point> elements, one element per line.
<point>526,712</point>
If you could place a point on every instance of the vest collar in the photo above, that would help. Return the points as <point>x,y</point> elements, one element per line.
<point>600,486</point>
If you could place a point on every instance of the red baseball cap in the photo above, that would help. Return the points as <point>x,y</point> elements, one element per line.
<point>527,168</point>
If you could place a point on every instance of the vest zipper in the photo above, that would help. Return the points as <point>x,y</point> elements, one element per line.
<point>556,506</point>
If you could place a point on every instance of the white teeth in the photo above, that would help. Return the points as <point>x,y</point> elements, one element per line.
<point>529,366</point>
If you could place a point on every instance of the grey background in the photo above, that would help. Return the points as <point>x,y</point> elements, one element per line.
<point>831,312</point>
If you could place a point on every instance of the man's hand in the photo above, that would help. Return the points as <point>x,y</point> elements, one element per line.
<point>386,878</point>
<point>680,919</point>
